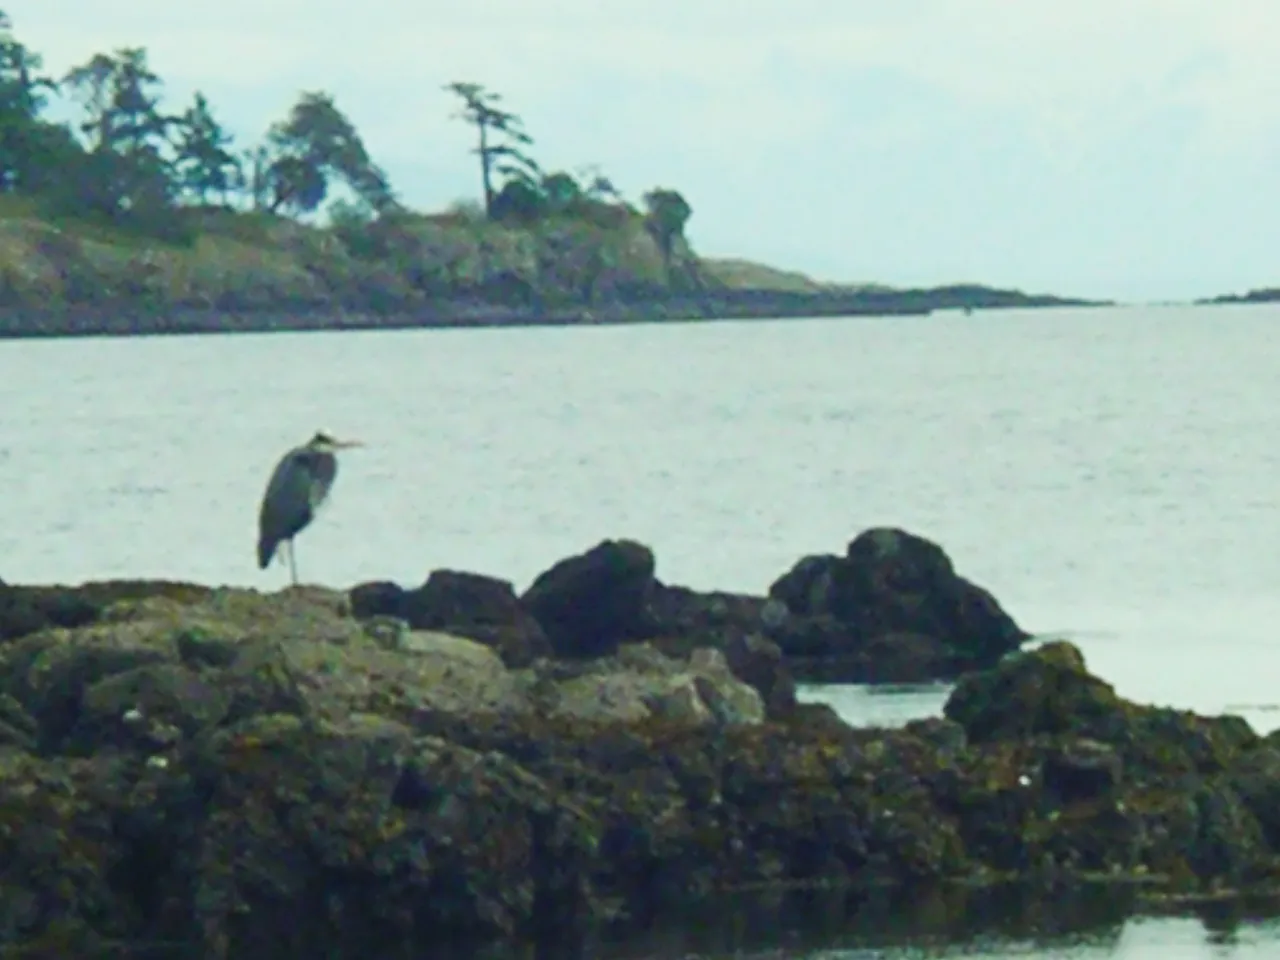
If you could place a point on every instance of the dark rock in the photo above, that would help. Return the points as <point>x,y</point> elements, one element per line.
<point>1223,839</point>
<point>904,583</point>
<point>806,589</point>
<point>480,608</point>
<point>1082,770</point>
<point>1179,741</point>
<point>1087,781</point>
<point>17,727</point>
<point>1048,692</point>
<point>61,896</point>
<point>25,610</point>
<point>469,605</point>
<point>261,680</point>
<point>590,603</point>
<point>470,856</point>
<point>888,658</point>
<point>157,705</point>
<point>815,716</point>
<point>414,790</point>
<point>1090,838</point>
<point>49,678</point>
<point>378,599</point>
<point>892,610</point>
<point>685,618</point>
<point>945,735</point>
<point>1255,777</point>
<point>1043,691</point>
<point>757,661</point>
<point>199,648</point>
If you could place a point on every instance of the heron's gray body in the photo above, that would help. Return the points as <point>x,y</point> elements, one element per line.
<point>298,486</point>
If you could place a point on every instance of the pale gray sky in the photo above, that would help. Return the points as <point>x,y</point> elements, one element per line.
<point>1126,148</point>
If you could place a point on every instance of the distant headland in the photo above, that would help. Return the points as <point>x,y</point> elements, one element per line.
<point>136,220</point>
<point>1262,295</point>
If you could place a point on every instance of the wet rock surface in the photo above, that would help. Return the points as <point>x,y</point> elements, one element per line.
<point>320,773</point>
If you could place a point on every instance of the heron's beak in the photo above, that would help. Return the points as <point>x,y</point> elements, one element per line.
<point>347,444</point>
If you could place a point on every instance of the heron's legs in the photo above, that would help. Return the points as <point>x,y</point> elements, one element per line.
<point>293,567</point>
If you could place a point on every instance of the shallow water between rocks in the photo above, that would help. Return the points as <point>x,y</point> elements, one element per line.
<point>1112,476</point>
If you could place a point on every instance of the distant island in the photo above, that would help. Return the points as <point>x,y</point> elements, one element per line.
<point>136,220</point>
<point>1263,295</point>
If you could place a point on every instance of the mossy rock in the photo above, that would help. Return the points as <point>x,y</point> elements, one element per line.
<point>1045,691</point>
<point>25,610</point>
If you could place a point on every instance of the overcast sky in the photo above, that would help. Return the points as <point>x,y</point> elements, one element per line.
<point>1124,148</point>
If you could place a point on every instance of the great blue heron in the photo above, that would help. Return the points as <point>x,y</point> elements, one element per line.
<point>298,486</point>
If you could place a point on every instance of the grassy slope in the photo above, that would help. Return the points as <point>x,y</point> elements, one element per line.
<point>243,260</point>
<point>747,275</point>
<point>737,274</point>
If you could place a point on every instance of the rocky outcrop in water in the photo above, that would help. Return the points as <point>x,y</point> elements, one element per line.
<point>244,775</point>
<point>891,610</point>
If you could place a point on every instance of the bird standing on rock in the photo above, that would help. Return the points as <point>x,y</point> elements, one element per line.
<point>298,486</point>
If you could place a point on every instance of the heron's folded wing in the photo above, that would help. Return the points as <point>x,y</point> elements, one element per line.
<point>321,470</point>
<point>286,506</point>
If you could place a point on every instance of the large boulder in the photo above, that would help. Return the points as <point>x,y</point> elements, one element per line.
<point>891,610</point>
<point>590,603</point>
<point>758,661</point>
<point>1048,692</point>
<point>1065,772</point>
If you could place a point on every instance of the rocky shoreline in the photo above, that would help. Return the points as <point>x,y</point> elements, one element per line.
<point>143,318</point>
<point>387,772</point>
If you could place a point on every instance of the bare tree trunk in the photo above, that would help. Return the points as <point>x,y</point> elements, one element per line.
<point>486,174</point>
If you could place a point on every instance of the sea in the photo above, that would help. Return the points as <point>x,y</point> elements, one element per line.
<point>1112,475</point>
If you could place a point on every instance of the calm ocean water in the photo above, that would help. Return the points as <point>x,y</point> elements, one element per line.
<point>1111,475</point>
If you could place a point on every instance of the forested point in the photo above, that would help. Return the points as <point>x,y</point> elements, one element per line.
<point>137,207</point>
<point>137,200</point>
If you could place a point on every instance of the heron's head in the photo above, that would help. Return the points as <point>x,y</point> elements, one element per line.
<point>323,443</point>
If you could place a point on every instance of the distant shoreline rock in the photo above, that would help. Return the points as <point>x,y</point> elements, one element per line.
<point>1263,295</point>
<point>144,318</point>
